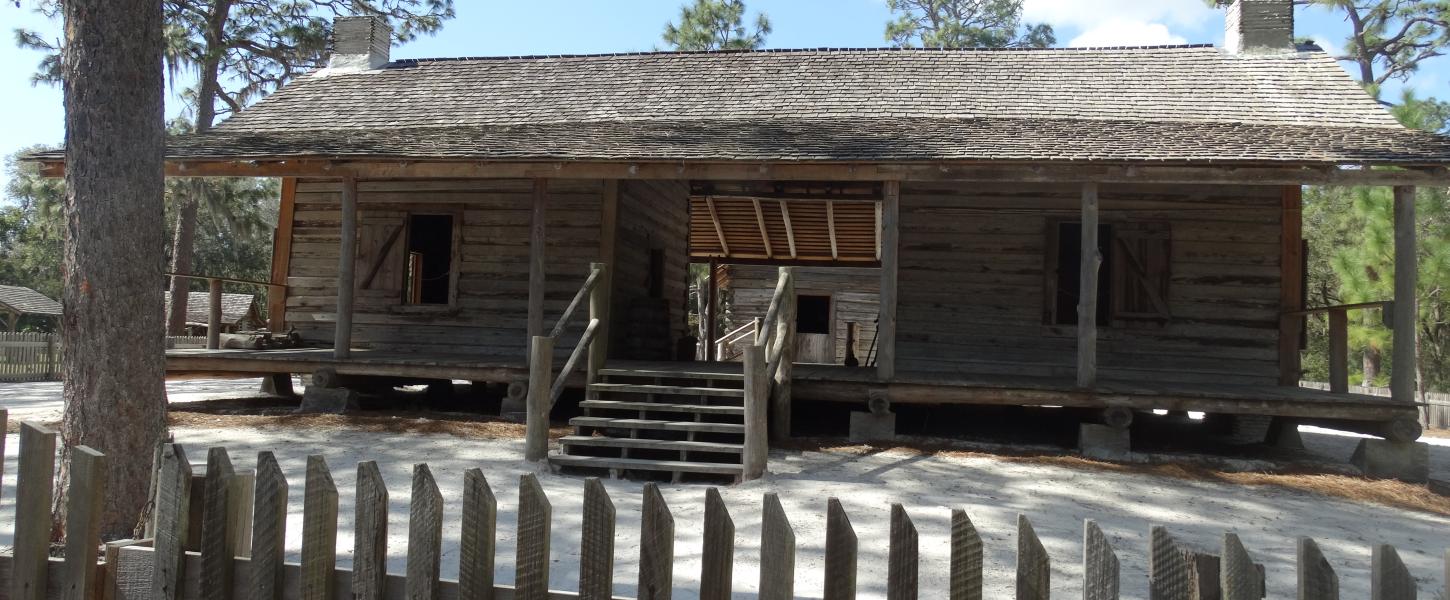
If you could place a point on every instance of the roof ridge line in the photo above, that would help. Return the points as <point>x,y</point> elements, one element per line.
<point>983,49</point>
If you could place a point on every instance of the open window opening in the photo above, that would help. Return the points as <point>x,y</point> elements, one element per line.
<point>813,314</point>
<point>429,278</point>
<point>1069,284</point>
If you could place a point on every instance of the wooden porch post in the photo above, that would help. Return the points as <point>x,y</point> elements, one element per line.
<point>346,258</point>
<point>601,299</point>
<point>711,300</point>
<point>1407,309</point>
<point>1291,284</point>
<point>281,257</point>
<point>1087,299</point>
<point>536,259</point>
<point>1339,351</point>
<point>214,314</point>
<point>890,237</point>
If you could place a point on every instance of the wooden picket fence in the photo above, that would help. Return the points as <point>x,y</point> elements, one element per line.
<point>29,356</point>
<point>237,524</point>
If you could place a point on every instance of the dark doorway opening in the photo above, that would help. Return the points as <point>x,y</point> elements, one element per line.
<point>813,314</point>
<point>430,259</point>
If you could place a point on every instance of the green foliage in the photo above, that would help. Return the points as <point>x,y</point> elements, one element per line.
<point>964,24</point>
<point>716,25</point>
<point>31,229</point>
<point>1390,39</point>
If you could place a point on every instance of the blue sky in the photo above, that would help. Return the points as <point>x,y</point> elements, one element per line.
<point>33,115</point>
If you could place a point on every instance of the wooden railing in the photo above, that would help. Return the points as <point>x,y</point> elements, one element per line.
<point>725,348</point>
<point>214,296</point>
<point>240,548</point>
<point>768,364</point>
<point>544,387</point>
<point>1339,336</point>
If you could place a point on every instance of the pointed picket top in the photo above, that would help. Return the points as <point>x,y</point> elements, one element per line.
<point>216,555</point>
<point>1389,578</point>
<point>477,541</point>
<point>1034,569</point>
<point>1238,577</point>
<point>841,551</point>
<point>596,543</point>
<point>966,558</point>
<point>777,552</point>
<point>717,566</point>
<point>1317,580</point>
<point>319,531</point>
<point>1099,564</point>
<point>173,507</point>
<point>656,546</point>
<point>370,534</point>
<point>85,499</point>
<point>902,562</point>
<point>531,564</point>
<point>1168,573</point>
<point>269,529</point>
<point>425,536</point>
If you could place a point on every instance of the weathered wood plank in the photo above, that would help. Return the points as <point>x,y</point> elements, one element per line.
<point>902,561</point>
<point>83,523</point>
<point>1291,282</point>
<point>717,559</point>
<point>370,534</point>
<point>531,574</point>
<point>173,503</point>
<point>890,255</point>
<point>216,553</point>
<point>1168,572</point>
<point>596,543</point>
<point>755,455</point>
<point>1338,351</point>
<point>1087,297</point>
<point>777,552</point>
<point>1406,311</point>
<point>656,546</point>
<point>1389,578</point>
<point>841,547</point>
<point>1239,579</point>
<point>536,434</point>
<point>478,538</point>
<point>966,558</point>
<point>1317,580</point>
<point>537,257</point>
<point>1034,569</point>
<point>319,532</point>
<point>239,513</point>
<point>1099,565</point>
<point>425,536</point>
<point>269,529</point>
<point>346,261</point>
<point>33,491</point>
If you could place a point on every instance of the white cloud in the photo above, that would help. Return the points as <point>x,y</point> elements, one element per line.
<point>1124,32</point>
<point>1087,15</point>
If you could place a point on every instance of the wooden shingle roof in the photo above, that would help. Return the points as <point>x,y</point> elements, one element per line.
<point>26,301</point>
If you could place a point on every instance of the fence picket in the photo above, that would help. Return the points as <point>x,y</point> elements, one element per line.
<point>1389,579</point>
<point>1168,572</point>
<point>531,575</point>
<point>656,546</point>
<point>902,563</point>
<point>841,547</point>
<point>1317,580</point>
<point>173,509</point>
<point>319,531</point>
<point>596,543</point>
<point>966,558</point>
<point>33,490</point>
<point>777,552</point>
<point>370,534</point>
<point>239,514</point>
<point>1099,565</point>
<point>476,543</point>
<point>216,553</point>
<point>269,529</point>
<point>1238,577</point>
<point>1034,570</point>
<point>425,536</point>
<point>83,522</point>
<point>718,558</point>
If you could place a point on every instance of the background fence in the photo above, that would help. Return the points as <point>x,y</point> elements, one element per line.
<point>36,356</point>
<point>221,536</point>
<point>1436,415</point>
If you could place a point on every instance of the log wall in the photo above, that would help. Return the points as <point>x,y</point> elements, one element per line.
<point>972,282</point>
<point>653,216</point>
<point>854,291</point>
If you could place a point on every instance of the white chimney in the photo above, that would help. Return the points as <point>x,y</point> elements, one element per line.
<point>360,43</point>
<point>1256,26</point>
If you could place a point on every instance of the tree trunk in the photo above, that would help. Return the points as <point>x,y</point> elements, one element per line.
<point>1371,366</point>
<point>114,364</point>
<point>182,245</point>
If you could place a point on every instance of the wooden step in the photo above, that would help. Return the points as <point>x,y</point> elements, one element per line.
<point>606,422</point>
<point>640,464</point>
<point>668,374</point>
<point>670,390</point>
<point>644,444</point>
<point>664,407</point>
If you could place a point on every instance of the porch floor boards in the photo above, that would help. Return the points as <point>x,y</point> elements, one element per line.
<point>389,363</point>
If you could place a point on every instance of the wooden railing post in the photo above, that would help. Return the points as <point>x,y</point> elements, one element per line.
<point>214,314</point>
<point>784,342</point>
<point>1339,351</point>
<point>757,393</point>
<point>599,299</point>
<point>1407,312</point>
<point>541,362</point>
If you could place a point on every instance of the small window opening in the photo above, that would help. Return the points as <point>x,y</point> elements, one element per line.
<point>813,314</point>
<point>1069,261</point>
<point>430,259</point>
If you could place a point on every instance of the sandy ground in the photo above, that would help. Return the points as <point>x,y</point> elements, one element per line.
<point>993,491</point>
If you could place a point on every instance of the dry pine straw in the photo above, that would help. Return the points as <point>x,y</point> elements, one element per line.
<point>455,425</point>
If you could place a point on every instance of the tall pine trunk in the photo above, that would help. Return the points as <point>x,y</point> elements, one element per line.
<point>115,399</point>
<point>182,244</point>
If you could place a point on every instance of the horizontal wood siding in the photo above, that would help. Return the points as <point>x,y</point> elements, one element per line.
<point>855,292</point>
<point>653,215</point>
<point>492,307</point>
<point>972,282</point>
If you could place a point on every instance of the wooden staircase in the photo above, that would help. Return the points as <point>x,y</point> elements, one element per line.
<point>682,420</point>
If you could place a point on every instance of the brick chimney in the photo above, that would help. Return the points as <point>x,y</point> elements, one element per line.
<point>360,43</point>
<point>1257,26</point>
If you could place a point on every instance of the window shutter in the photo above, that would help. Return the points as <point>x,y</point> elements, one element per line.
<point>380,248</point>
<point>1141,272</point>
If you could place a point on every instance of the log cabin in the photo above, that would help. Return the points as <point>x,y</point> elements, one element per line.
<point>1112,230</point>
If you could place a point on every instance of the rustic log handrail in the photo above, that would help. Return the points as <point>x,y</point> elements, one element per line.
<point>775,346</point>
<point>579,297</point>
<point>544,388</point>
<point>224,279</point>
<point>1381,304</point>
<point>573,362</point>
<point>214,292</point>
<point>728,340</point>
<point>1339,336</point>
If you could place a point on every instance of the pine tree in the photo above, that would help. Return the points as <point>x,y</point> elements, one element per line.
<point>716,25</point>
<point>964,24</point>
